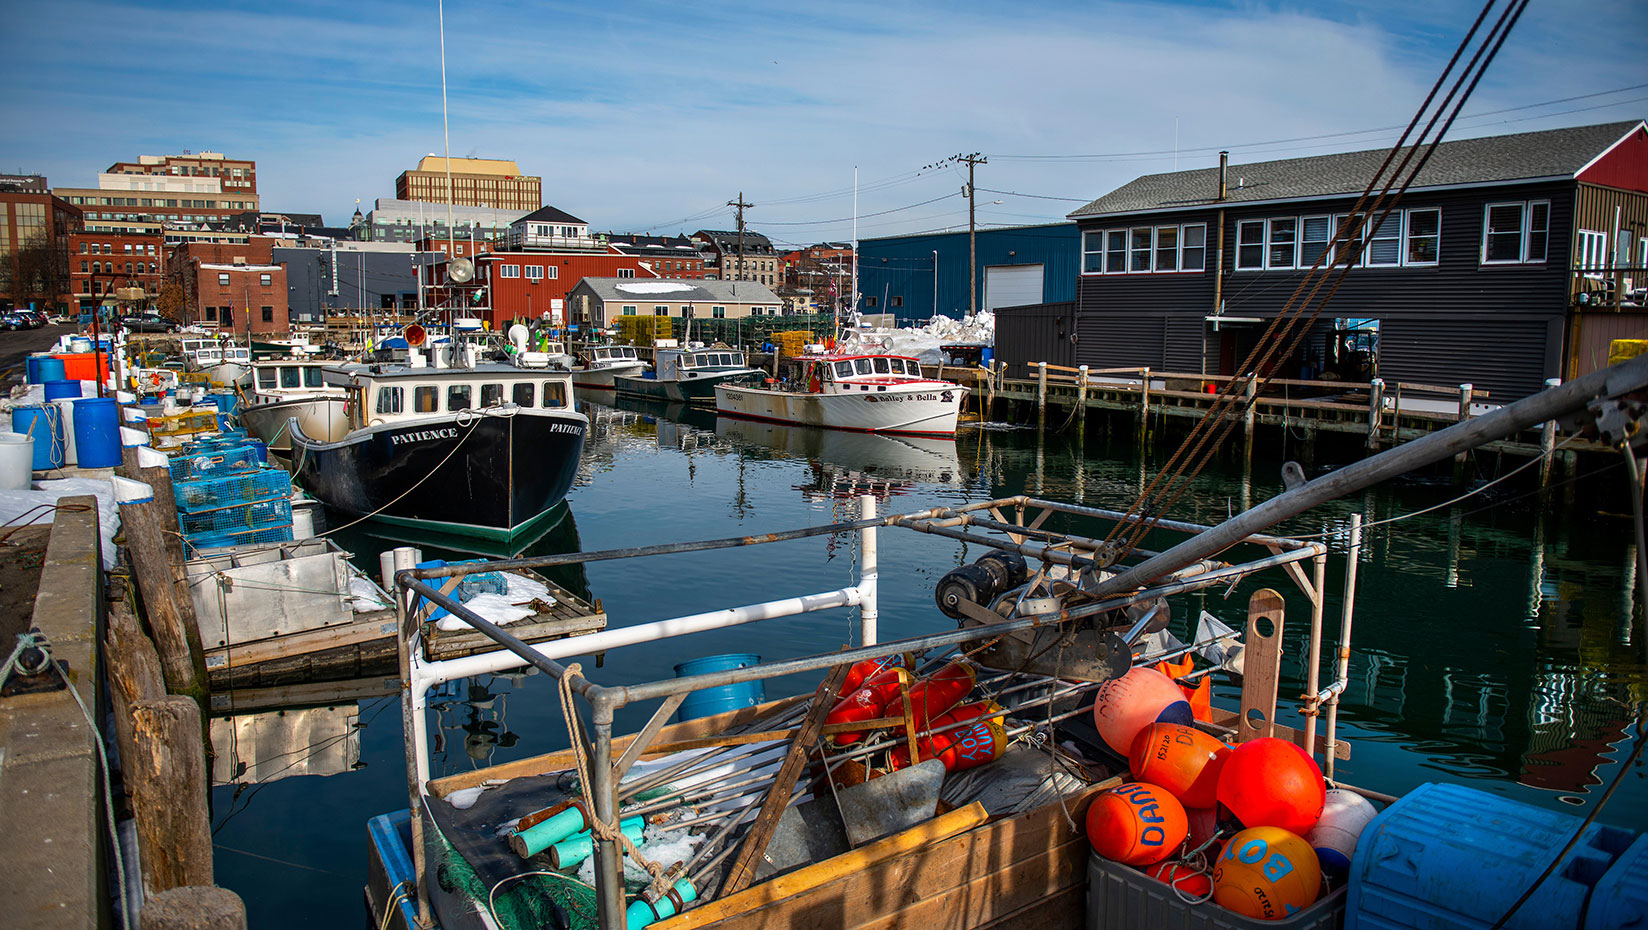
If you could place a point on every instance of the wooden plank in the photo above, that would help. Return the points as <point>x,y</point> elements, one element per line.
<point>563,760</point>
<point>859,894</point>
<point>1066,910</point>
<point>831,873</point>
<point>167,778</point>
<point>374,626</point>
<point>778,796</point>
<point>1261,665</point>
<point>456,646</point>
<point>643,739</point>
<point>1227,719</point>
<point>994,894</point>
<point>306,694</point>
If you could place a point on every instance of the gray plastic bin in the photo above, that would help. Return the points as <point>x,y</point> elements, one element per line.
<point>1121,897</point>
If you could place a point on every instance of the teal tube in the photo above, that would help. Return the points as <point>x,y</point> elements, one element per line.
<point>572,851</point>
<point>641,914</point>
<point>540,836</point>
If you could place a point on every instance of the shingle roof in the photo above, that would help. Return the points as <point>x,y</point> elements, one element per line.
<point>726,239</point>
<point>1527,155</point>
<point>550,215</point>
<point>676,291</point>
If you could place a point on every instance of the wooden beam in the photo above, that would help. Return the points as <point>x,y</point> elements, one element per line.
<point>778,796</point>
<point>134,672</point>
<point>1261,665</point>
<point>145,528</point>
<point>167,778</point>
<point>648,733</point>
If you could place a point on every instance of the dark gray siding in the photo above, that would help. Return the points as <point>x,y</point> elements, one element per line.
<point>364,279</point>
<point>1037,333</point>
<point>1497,326</point>
<point>898,271</point>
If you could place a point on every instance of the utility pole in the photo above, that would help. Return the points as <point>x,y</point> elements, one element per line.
<point>972,231</point>
<point>740,204</point>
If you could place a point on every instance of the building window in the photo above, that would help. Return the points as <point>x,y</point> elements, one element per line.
<point>628,310</point>
<point>1282,248</point>
<point>268,314</point>
<point>534,272</point>
<point>1167,248</point>
<point>1250,245</point>
<point>719,313</point>
<point>265,280</point>
<point>660,310</point>
<point>1140,247</point>
<point>1593,250</point>
<point>211,314</point>
<point>1424,237</point>
<point>1193,248</point>
<point>509,271</point>
<point>1313,240</point>
<point>1515,232</point>
<point>870,301</point>
<point>1093,251</point>
<point>1384,248</point>
<point>83,266</point>
<point>626,272</point>
<point>223,279</point>
<point>895,301</point>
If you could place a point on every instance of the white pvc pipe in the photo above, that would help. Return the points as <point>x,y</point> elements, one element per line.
<point>869,574</point>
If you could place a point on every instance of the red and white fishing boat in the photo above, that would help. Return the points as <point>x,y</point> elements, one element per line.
<point>871,392</point>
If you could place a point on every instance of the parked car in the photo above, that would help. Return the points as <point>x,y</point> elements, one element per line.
<point>11,320</point>
<point>34,318</point>
<point>148,323</point>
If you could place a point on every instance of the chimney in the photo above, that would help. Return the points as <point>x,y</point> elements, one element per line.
<point>1224,167</point>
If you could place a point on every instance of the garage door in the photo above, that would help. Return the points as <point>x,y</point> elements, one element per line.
<point>1012,286</point>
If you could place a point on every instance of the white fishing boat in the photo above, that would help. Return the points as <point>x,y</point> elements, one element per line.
<point>599,365</point>
<point>223,363</point>
<point>872,392</point>
<point>287,389</point>
<point>689,376</point>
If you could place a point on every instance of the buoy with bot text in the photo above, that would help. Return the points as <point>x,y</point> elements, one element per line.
<point>1124,706</point>
<point>1182,759</point>
<point>1136,824</point>
<point>1270,782</point>
<point>1267,873</point>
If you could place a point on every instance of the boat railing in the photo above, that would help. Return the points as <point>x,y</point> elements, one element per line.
<point>985,523</point>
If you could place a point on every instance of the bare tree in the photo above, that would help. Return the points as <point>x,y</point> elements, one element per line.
<point>39,270</point>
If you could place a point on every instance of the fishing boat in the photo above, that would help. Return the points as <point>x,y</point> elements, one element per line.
<point>870,393</point>
<point>223,363</point>
<point>481,448</point>
<point>690,375</point>
<point>287,389</point>
<point>598,365</point>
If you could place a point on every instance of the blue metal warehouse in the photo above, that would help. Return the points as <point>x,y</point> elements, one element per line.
<point>916,277</point>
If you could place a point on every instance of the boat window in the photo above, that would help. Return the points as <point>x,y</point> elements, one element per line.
<point>729,360</point>
<point>457,397</point>
<point>843,369</point>
<point>861,365</point>
<point>492,395</point>
<point>313,377</point>
<point>425,398</point>
<point>389,399</point>
<point>881,366</point>
<point>289,377</point>
<point>554,394</point>
<point>523,393</point>
<point>266,378</point>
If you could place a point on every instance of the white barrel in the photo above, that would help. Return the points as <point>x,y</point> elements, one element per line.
<point>65,412</point>
<point>16,461</point>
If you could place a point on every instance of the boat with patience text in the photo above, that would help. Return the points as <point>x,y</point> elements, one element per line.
<point>872,393</point>
<point>286,389</point>
<point>689,376</point>
<point>483,448</point>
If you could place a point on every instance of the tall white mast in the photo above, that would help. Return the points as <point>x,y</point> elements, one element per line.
<point>853,307</point>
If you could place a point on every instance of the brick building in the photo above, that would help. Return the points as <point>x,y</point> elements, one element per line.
<point>731,257</point>
<point>101,262</point>
<point>668,256</point>
<point>526,285</point>
<point>236,287</point>
<point>141,197</point>
<point>34,248</point>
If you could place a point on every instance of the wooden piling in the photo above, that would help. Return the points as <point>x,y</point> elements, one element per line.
<point>1041,395</point>
<point>134,672</point>
<point>1376,411</point>
<point>1144,403</point>
<point>1547,441</point>
<point>1464,414</point>
<point>194,908</point>
<point>1081,397</point>
<point>1250,390</point>
<point>145,529</point>
<point>167,778</point>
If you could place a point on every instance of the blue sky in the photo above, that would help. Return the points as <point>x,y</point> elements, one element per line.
<point>650,116</point>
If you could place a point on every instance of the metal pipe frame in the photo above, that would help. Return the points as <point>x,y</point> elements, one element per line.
<point>420,674</point>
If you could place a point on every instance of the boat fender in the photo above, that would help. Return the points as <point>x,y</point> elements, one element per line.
<point>867,703</point>
<point>572,851</point>
<point>1268,873</point>
<point>644,913</point>
<point>932,696</point>
<point>859,671</point>
<point>964,742</point>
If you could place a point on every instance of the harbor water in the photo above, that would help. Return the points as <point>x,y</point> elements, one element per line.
<point>1497,640</point>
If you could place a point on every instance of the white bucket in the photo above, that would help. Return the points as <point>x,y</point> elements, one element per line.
<point>80,344</point>
<point>16,462</point>
<point>65,412</point>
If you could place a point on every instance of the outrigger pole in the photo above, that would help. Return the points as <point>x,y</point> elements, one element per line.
<point>1599,388</point>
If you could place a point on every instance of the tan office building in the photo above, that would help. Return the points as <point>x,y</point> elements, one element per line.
<point>476,182</point>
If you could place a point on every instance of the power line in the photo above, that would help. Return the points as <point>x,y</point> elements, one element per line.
<point>861,216</point>
<point>1036,196</point>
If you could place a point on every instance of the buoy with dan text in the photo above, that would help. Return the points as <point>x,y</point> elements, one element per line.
<point>1136,824</point>
<point>1124,706</point>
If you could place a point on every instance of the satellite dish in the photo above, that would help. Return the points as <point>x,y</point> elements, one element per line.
<point>415,335</point>
<point>518,336</point>
<point>460,271</point>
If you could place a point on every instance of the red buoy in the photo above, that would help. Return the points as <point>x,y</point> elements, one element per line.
<point>932,696</point>
<point>1136,824</point>
<point>966,742</point>
<point>1270,782</point>
<point>1182,759</point>
<point>1188,880</point>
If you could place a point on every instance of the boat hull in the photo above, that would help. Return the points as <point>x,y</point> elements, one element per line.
<point>489,475</point>
<point>320,418</point>
<point>924,410</point>
<point>601,379</point>
<point>697,389</point>
<point>228,374</point>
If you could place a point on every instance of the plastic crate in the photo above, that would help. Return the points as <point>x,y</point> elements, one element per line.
<point>199,460</point>
<point>215,493</point>
<point>1120,897</point>
<point>246,518</point>
<point>205,541</point>
<point>469,587</point>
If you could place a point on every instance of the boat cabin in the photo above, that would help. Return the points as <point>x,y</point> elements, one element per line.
<point>209,355</point>
<point>682,364</point>
<point>841,373</point>
<point>382,394</point>
<point>291,375</point>
<point>603,356</point>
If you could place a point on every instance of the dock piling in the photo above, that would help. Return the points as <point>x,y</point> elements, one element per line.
<point>1464,414</point>
<point>1547,441</point>
<point>1250,390</point>
<point>1144,404</point>
<point>1041,395</point>
<point>167,775</point>
<point>176,637</point>
<point>1081,398</point>
<point>1376,411</point>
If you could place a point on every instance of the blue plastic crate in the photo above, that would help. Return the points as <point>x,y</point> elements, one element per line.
<point>471,585</point>
<point>216,493</point>
<point>245,518</point>
<point>200,461</point>
<point>201,541</point>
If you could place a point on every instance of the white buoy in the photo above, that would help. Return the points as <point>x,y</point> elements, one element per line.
<point>1344,815</point>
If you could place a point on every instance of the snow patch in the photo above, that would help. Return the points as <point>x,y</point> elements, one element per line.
<point>653,287</point>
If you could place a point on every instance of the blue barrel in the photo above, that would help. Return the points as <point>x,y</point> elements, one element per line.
<point>31,368</point>
<point>711,701</point>
<point>43,423</point>
<point>227,402</point>
<point>1621,898</point>
<point>987,355</point>
<point>57,389</point>
<point>97,432</point>
<point>1451,856</point>
<point>49,369</point>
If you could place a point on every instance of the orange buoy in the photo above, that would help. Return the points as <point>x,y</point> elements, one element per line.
<point>1182,759</point>
<point>1136,824</point>
<point>861,671</point>
<point>932,696</point>
<point>1126,705</point>
<point>1186,879</point>
<point>1268,873</point>
<point>967,742</point>
<point>1270,782</point>
<point>868,702</point>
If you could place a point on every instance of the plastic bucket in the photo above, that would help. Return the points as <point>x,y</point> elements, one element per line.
<point>97,432</point>
<point>227,401</point>
<point>56,389</point>
<point>46,368</point>
<point>719,700</point>
<point>16,461</point>
<point>65,416</point>
<point>80,344</point>
<point>45,425</point>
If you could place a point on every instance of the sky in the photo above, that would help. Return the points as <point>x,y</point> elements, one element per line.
<point>650,117</point>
